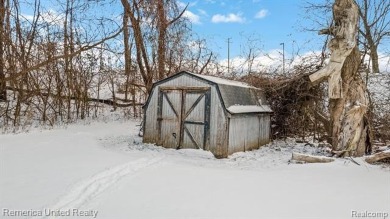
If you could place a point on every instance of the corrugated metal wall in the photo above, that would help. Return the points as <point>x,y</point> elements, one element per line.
<point>248,132</point>
<point>265,129</point>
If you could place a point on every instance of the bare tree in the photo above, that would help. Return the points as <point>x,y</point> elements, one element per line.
<point>55,61</point>
<point>375,26</point>
<point>150,29</point>
<point>45,62</point>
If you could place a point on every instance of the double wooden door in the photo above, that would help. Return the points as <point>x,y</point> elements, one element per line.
<point>183,117</point>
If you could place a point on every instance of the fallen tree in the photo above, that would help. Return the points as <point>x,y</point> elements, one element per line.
<point>311,158</point>
<point>322,159</point>
<point>377,157</point>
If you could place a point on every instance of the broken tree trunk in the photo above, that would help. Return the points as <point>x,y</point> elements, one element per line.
<point>344,32</point>
<point>347,92</point>
<point>349,114</point>
<point>311,158</point>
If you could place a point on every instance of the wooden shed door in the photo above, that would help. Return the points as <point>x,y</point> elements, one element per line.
<point>185,115</point>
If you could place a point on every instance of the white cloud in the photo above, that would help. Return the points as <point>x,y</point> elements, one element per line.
<point>28,17</point>
<point>181,4</point>
<point>195,19</point>
<point>230,18</point>
<point>261,14</point>
<point>53,17</point>
<point>50,16</point>
<point>202,12</point>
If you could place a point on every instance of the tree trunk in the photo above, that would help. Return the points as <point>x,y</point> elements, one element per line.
<point>126,37</point>
<point>141,53</point>
<point>374,59</point>
<point>349,114</point>
<point>347,92</point>
<point>3,91</point>
<point>162,32</point>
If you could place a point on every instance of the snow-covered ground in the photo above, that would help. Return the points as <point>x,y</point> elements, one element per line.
<point>102,169</point>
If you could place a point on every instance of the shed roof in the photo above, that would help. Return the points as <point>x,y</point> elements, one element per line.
<point>223,81</point>
<point>237,97</point>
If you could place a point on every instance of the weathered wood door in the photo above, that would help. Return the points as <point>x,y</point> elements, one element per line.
<point>184,116</point>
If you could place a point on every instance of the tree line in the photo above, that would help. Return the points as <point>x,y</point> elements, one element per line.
<point>55,65</point>
<point>58,66</point>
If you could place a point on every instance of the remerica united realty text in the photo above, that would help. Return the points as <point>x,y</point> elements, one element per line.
<point>73,212</point>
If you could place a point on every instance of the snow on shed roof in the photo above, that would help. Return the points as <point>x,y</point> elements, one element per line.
<point>249,109</point>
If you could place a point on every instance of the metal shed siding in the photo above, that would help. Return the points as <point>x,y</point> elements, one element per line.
<point>248,132</point>
<point>265,128</point>
<point>181,99</point>
<point>150,121</point>
<point>218,128</point>
<point>185,80</point>
<point>217,142</point>
<point>243,133</point>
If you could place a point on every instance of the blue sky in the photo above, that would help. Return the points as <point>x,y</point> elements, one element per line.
<point>260,24</point>
<point>267,22</point>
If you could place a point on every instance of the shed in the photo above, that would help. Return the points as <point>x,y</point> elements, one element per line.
<point>189,110</point>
